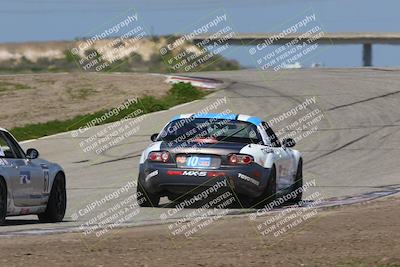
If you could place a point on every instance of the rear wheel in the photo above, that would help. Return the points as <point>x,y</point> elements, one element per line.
<point>3,201</point>
<point>57,203</point>
<point>269,193</point>
<point>245,201</point>
<point>146,199</point>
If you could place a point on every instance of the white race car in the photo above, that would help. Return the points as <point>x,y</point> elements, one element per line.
<point>195,151</point>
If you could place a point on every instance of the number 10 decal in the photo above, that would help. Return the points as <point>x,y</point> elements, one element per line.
<point>193,161</point>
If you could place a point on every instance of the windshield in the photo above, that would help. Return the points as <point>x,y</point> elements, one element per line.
<point>216,129</point>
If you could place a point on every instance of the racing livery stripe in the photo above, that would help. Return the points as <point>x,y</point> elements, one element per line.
<point>254,120</point>
<point>181,116</point>
<point>177,117</point>
<point>186,116</point>
<point>241,117</point>
<point>214,116</point>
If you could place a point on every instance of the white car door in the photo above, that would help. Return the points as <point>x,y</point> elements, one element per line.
<point>283,158</point>
<point>283,164</point>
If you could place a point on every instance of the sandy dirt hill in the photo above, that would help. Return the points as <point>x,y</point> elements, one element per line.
<point>33,51</point>
<point>33,98</point>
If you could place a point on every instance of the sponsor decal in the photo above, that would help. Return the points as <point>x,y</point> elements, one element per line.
<point>248,179</point>
<point>151,175</point>
<point>195,161</point>
<point>181,159</point>
<point>172,173</point>
<point>25,177</point>
<point>267,150</point>
<point>216,174</point>
<point>46,176</point>
<point>283,171</point>
<point>197,173</point>
<point>194,173</point>
<point>204,162</point>
<point>25,211</point>
<point>46,181</point>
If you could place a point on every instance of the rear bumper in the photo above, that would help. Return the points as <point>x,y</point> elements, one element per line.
<point>167,179</point>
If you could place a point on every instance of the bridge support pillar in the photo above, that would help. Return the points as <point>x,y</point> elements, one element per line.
<point>367,55</point>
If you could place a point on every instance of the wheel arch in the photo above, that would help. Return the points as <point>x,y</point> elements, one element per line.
<point>7,191</point>
<point>5,181</point>
<point>59,172</point>
<point>8,188</point>
<point>298,157</point>
<point>62,173</point>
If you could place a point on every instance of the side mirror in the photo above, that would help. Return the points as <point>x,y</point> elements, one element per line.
<point>288,142</point>
<point>32,153</point>
<point>154,137</point>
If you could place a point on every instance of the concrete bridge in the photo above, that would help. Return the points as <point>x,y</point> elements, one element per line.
<point>366,39</point>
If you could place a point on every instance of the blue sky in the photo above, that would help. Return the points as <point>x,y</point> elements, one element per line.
<point>40,20</point>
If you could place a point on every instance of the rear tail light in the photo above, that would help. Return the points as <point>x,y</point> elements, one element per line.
<point>237,159</point>
<point>161,156</point>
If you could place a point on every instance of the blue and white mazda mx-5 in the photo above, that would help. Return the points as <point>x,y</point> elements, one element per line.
<point>195,151</point>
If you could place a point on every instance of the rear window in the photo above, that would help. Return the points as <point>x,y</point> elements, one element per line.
<point>219,129</point>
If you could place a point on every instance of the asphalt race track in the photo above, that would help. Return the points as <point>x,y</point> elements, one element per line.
<point>354,150</point>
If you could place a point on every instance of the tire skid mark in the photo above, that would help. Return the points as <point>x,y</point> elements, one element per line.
<point>363,101</point>
<point>344,146</point>
<point>337,149</point>
<point>117,159</point>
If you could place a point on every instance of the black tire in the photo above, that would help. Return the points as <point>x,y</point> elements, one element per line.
<point>146,199</point>
<point>57,203</point>
<point>245,202</point>
<point>269,193</point>
<point>298,183</point>
<point>3,201</point>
